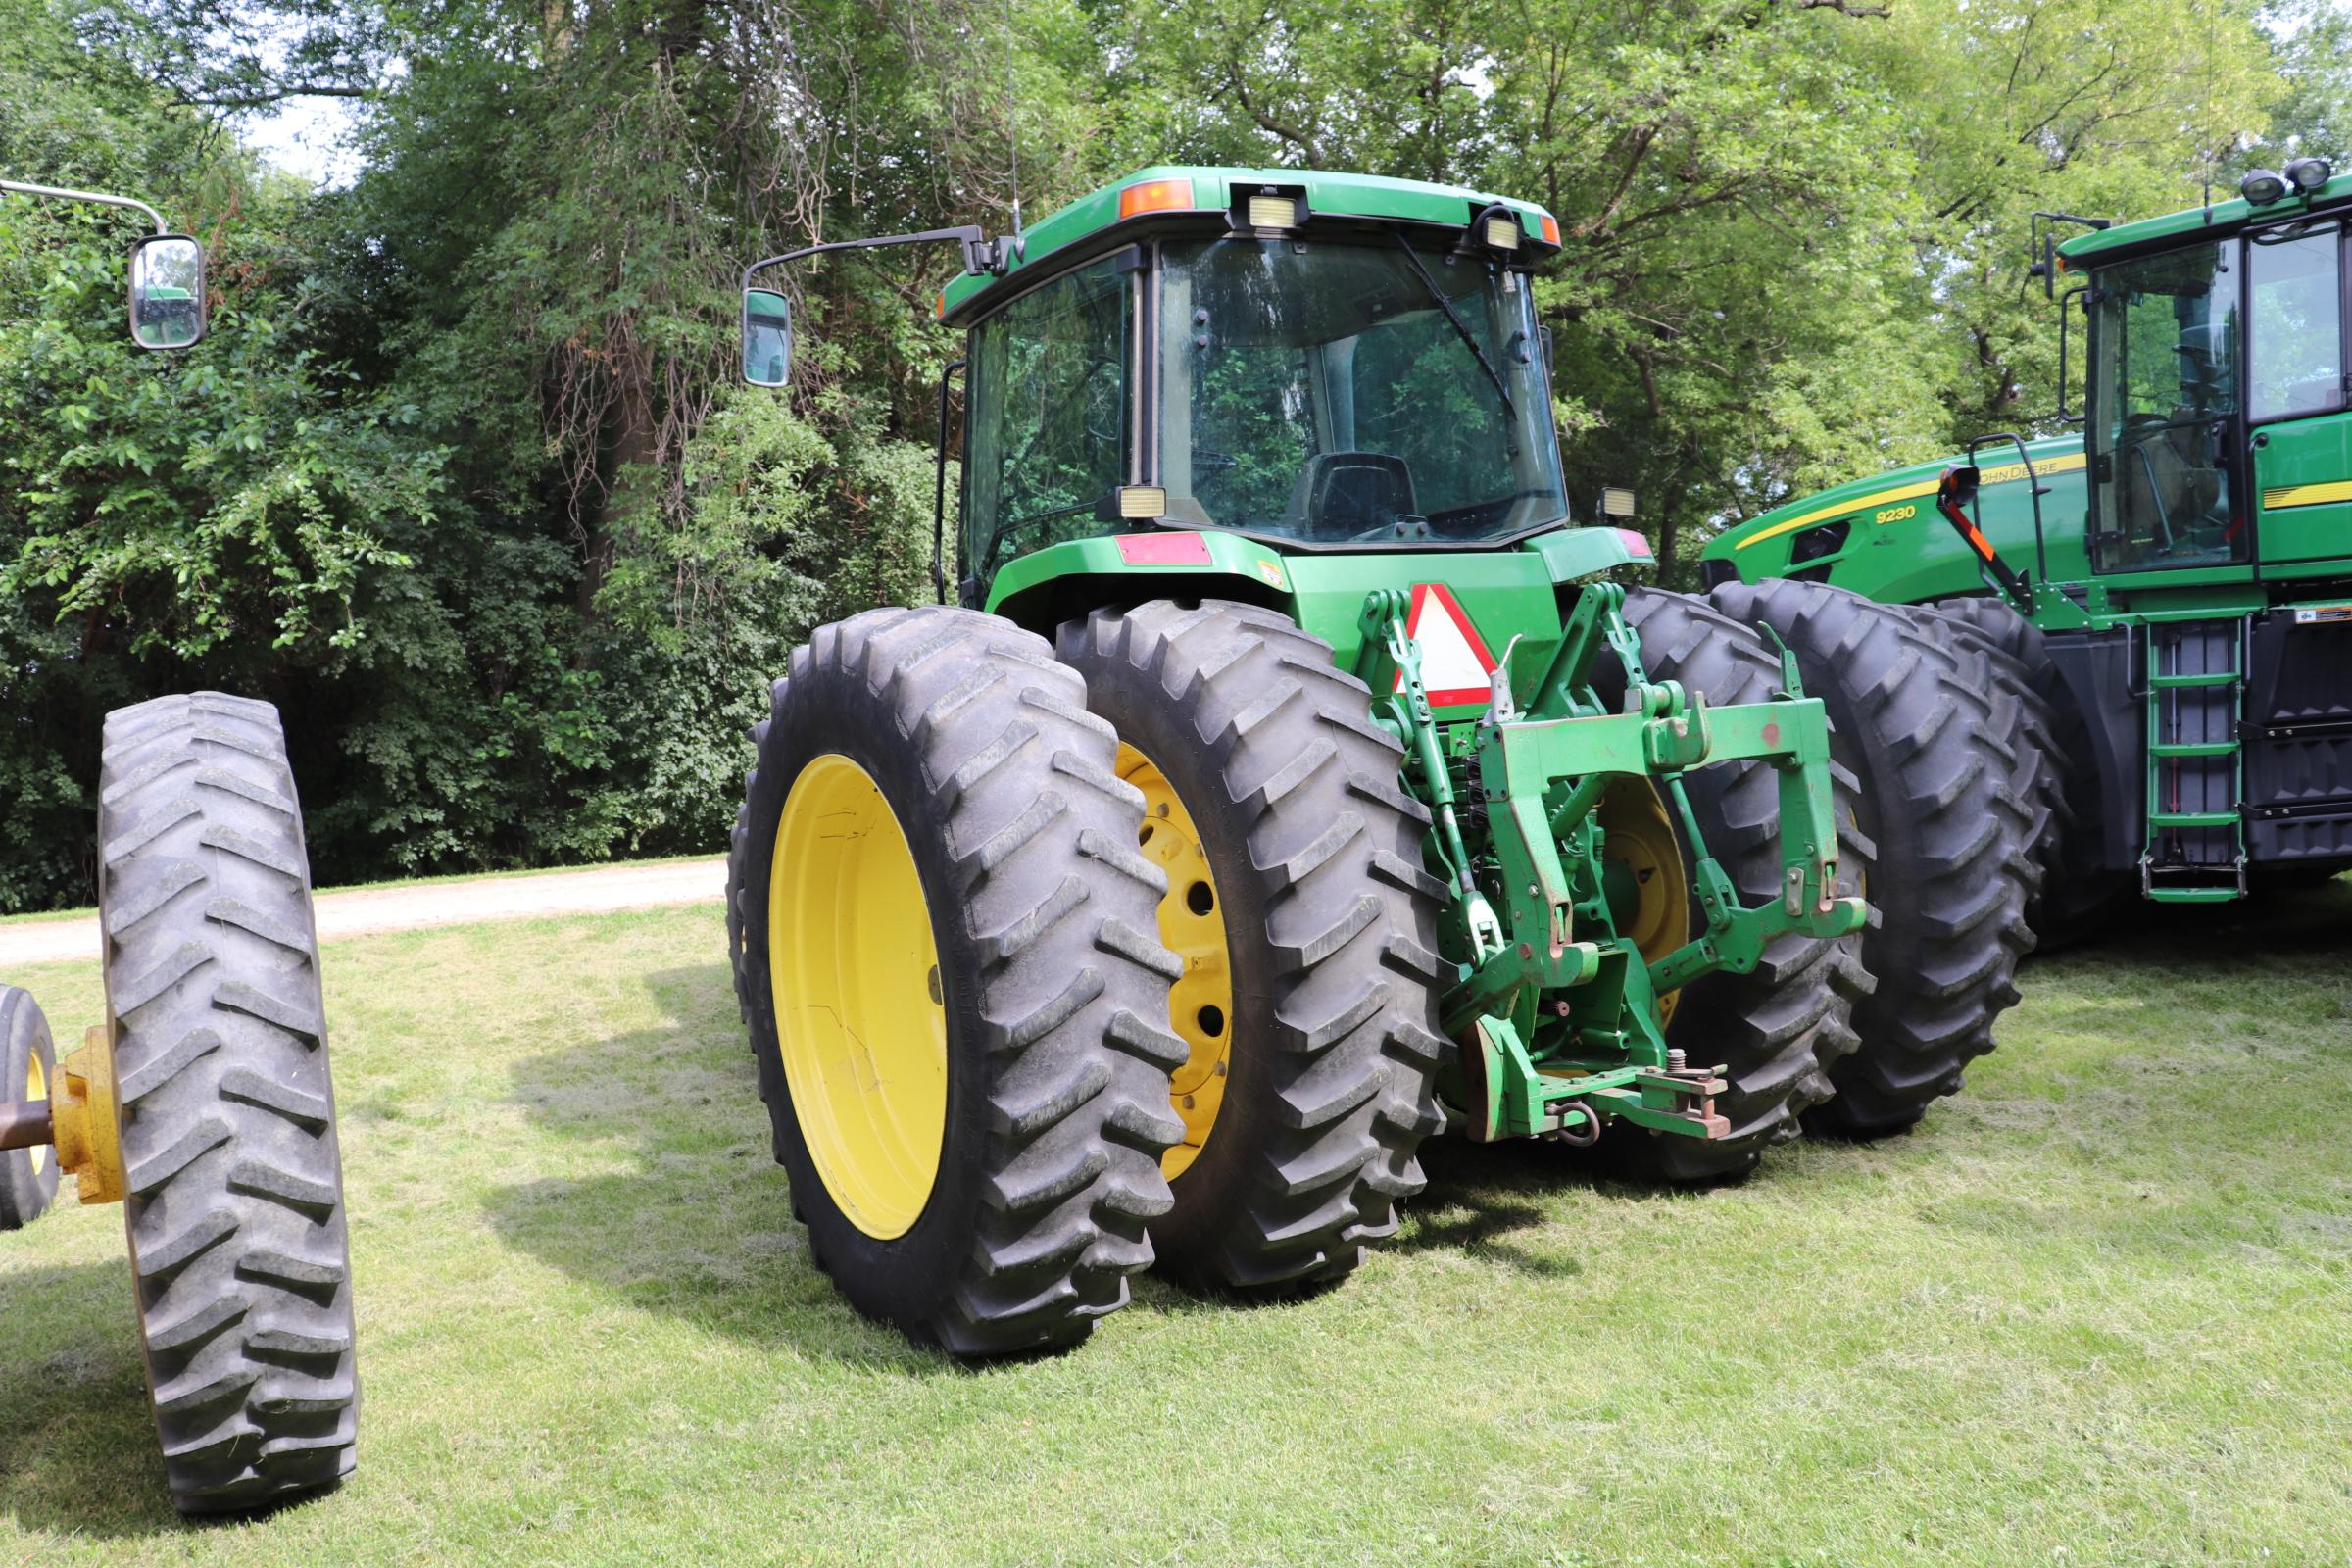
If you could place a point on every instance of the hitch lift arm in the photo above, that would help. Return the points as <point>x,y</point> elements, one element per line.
<point>1557,1013</point>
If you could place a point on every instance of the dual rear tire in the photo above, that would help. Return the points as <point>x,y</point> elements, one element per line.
<point>1190,806</point>
<point>958,997</point>
<point>1948,803</point>
<point>1782,1029</point>
<point>1263,761</point>
<point>205,1106</point>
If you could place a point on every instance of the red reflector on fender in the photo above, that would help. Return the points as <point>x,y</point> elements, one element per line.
<point>1637,542</point>
<point>1163,550</point>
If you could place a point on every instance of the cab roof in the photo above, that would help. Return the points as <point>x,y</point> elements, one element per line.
<point>2215,222</point>
<point>1184,190</point>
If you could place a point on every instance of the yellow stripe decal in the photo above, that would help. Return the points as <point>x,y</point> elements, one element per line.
<point>1909,492</point>
<point>2011,471</point>
<point>2306,495</point>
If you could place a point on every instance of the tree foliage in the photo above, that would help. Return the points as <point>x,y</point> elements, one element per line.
<point>460,479</point>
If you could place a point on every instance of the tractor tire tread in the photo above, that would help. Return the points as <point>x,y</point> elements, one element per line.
<point>1330,845</point>
<point>2076,898</point>
<point>235,1212</point>
<point>1032,820</point>
<point>1949,804</point>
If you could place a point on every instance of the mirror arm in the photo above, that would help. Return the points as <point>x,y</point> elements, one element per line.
<point>980,253</point>
<point>62,195</point>
<point>2043,244</point>
<point>2065,414</point>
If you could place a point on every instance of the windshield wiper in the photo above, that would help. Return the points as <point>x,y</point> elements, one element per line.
<point>1511,409</point>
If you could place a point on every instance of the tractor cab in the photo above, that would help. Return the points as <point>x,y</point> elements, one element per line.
<point>2178,578</point>
<point>1266,384</point>
<point>1291,357</point>
<point>2217,391</point>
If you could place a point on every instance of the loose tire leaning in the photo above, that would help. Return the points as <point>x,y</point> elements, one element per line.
<point>1951,876</point>
<point>1328,933</point>
<point>1783,1028</point>
<point>27,1067</point>
<point>233,1179</point>
<point>1048,987</point>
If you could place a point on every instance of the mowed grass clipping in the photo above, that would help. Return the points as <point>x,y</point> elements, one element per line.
<point>2097,1309</point>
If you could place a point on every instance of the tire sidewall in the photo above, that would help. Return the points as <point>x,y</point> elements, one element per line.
<point>23,1038</point>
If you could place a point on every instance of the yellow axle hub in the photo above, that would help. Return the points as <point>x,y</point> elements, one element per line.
<point>861,1008</point>
<point>1638,833</point>
<point>87,1120</point>
<point>1192,921</point>
<point>36,1089</point>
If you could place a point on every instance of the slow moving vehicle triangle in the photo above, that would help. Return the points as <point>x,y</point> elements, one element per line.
<point>1455,662</point>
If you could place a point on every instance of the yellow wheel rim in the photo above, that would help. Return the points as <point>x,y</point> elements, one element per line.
<point>1640,845</point>
<point>36,1087</point>
<point>860,1015</point>
<point>1192,920</point>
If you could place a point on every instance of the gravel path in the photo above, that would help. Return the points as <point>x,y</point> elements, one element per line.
<point>361,911</point>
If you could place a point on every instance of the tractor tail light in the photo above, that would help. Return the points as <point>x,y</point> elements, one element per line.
<point>1155,196</point>
<point>1552,229</point>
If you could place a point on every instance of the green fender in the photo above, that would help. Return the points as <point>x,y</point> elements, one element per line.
<point>1508,593</point>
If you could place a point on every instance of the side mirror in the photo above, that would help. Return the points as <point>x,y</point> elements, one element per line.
<point>767,338</point>
<point>167,292</point>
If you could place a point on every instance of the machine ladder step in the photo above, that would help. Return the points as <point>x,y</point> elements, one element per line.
<point>2195,850</point>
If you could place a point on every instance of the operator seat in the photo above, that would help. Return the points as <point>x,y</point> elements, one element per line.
<point>2168,481</point>
<point>1343,495</point>
<point>2171,482</point>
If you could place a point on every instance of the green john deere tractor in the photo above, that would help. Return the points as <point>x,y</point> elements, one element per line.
<point>202,1104</point>
<point>1291,782</point>
<point>2170,590</point>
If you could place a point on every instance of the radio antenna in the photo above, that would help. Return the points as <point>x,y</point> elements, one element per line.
<point>1012,132</point>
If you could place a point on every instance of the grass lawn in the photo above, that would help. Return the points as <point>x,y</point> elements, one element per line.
<point>2097,1309</point>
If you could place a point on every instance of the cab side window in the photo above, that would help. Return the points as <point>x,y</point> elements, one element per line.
<point>1047,442</point>
<point>2165,395</point>
<point>2297,323</point>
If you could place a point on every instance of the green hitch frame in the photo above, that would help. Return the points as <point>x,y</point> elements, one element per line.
<point>1556,1013</point>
